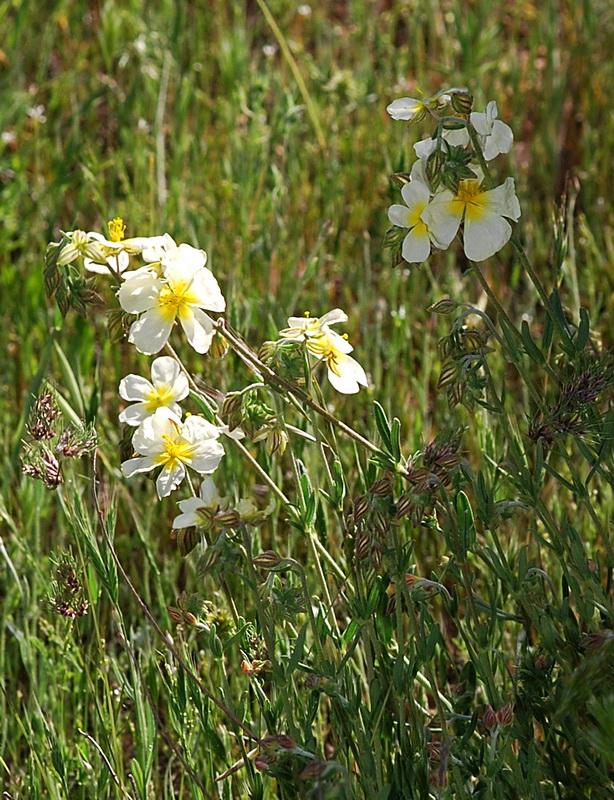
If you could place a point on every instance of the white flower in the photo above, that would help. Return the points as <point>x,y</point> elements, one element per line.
<point>115,258</point>
<point>185,288</point>
<point>417,244</point>
<point>162,440</point>
<point>303,328</point>
<point>168,385</point>
<point>495,136</point>
<point>199,510</point>
<point>481,212</point>
<point>407,108</point>
<point>345,374</point>
<point>455,138</point>
<point>142,244</point>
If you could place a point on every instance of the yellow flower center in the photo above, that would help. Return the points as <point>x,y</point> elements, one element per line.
<point>176,449</point>
<point>413,215</point>
<point>472,199</point>
<point>171,299</point>
<point>157,398</point>
<point>117,229</point>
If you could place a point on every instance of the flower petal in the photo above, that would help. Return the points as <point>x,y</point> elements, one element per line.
<point>333,317</point>
<point>206,288</point>
<point>189,516</point>
<point>405,108</point>
<point>150,333</point>
<point>134,414</point>
<point>442,217</point>
<point>149,436</point>
<point>195,429</point>
<point>140,291</point>
<point>417,245</point>
<point>170,478</point>
<point>399,216</point>
<point>134,387</point>
<point>165,371</point>
<point>136,465</point>
<point>486,236</point>
<point>502,200</point>
<point>348,375</point>
<point>206,457</point>
<point>198,327</point>
<point>208,491</point>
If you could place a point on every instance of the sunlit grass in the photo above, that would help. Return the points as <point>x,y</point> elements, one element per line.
<point>187,118</point>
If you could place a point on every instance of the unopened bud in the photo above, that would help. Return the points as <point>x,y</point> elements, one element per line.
<point>448,374</point>
<point>219,346</point>
<point>383,486</point>
<point>404,506</point>
<point>473,340</point>
<point>455,394</point>
<point>362,546</point>
<point>434,165</point>
<point>175,614</point>
<point>400,178</point>
<point>443,306</point>
<point>267,351</point>
<point>360,506</point>
<point>285,742</point>
<point>231,410</point>
<point>267,560</point>
<point>313,770</point>
<point>227,519</point>
<point>462,101</point>
<point>489,718</point>
<point>505,715</point>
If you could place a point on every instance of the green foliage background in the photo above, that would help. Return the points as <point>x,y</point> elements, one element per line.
<point>187,117</point>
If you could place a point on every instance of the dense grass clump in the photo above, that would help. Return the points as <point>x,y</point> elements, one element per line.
<point>404,592</point>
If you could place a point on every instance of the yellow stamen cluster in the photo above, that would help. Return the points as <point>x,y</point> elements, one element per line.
<point>117,229</point>
<point>175,450</point>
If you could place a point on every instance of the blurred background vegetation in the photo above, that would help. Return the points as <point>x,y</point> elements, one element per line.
<point>271,149</point>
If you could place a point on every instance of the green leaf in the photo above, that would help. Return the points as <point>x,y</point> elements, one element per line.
<point>383,426</point>
<point>297,653</point>
<point>532,350</point>
<point>584,329</point>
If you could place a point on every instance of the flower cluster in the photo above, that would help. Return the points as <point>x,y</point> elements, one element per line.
<point>447,188</point>
<point>173,284</point>
<point>163,283</point>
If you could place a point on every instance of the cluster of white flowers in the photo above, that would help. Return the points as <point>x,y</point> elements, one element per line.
<point>433,218</point>
<point>171,284</point>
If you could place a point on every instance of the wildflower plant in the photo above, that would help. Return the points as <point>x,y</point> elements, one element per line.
<point>355,663</point>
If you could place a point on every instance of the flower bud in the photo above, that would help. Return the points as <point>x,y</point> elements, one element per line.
<point>462,101</point>
<point>404,506</point>
<point>219,346</point>
<point>383,486</point>
<point>448,374</point>
<point>267,560</point>
<point>505,715</point>
<point>489,718</point>
<point>362,546</point>
<point>227,519</point>
<point>267,351</point>
<point>444,306</point>
<point>313,770</point>
<point>232,410</point>
<point>434,165</point>
<point>360,506</point>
